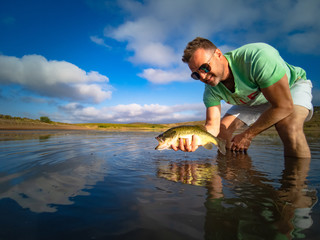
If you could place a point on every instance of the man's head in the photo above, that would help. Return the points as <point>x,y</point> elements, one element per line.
<point>205,61</point>
<point>196,44</point>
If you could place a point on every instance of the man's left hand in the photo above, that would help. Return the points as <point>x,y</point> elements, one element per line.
<point>240,142</point>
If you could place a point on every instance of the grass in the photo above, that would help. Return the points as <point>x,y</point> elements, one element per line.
<point>123,126</point>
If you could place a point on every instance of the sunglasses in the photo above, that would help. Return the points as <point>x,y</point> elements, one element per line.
<point>205,68</point>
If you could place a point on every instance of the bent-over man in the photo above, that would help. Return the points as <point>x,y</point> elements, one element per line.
<point>264,89</point>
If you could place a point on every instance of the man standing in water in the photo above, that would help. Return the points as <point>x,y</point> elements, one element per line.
<point>264,89</point>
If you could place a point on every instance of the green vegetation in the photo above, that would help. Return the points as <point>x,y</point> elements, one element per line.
<point>8,117</point>
<point>314,123</point>
<point>45,119</point>
<point>124,126</point>
<point>7,120</point>
<point>14,118</point>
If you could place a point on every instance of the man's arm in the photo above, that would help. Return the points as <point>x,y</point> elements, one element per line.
<point>213,118</point>
<point>279,97</point>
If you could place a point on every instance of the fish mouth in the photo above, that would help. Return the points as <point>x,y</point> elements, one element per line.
<point>160,140</point>
<point>159,147</point>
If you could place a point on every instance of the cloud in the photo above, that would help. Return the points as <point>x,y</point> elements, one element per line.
<point>99,41</point>
<point>156,32</point>
<point>157,28</point>
<point>159,76</point>
<point>164,56</point>
<point>297,29</point>
<point>55,79</point>
<point>144,38</point>
<point>151,113</point>
<point>37,100</point>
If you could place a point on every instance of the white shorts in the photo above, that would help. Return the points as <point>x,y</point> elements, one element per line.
<point>301,95</point>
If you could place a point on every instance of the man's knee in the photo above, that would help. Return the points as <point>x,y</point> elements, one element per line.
<point>227,127</point>
<point>287,127</point>
<point>289,131</point>
<point>293,138</point>
<point>292,125</point>
<point>225,132</point>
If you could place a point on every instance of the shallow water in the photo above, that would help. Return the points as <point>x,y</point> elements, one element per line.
<point>104,185</point>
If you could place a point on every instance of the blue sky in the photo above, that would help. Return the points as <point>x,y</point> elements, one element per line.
<point>120,61</point>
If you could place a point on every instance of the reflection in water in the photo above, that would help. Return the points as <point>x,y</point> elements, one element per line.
<point>8,135</point>
<point>295,197</point>
<point>43,138</point>
<point>39,179</point>
<point>198,174</point>
<point>241,201</point>
<point>55,185</point>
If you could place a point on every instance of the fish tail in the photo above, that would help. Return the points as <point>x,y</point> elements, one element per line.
<point>222,146</point>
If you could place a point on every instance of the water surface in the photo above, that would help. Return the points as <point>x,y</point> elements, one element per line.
<point>109,185</point>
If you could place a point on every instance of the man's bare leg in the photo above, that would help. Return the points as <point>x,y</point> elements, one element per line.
<point>290,130</point>
<point>228,125</point>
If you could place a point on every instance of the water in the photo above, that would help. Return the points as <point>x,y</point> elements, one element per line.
<point>103,185</point>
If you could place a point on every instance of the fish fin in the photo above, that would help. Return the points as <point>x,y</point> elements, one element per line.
<point>208,146</point>
<point>222,146</point>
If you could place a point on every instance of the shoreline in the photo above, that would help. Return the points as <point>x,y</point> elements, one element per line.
<point>311,128</point>
<point>12,125</point>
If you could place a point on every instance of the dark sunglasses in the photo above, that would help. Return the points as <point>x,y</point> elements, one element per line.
<point>205,68</point>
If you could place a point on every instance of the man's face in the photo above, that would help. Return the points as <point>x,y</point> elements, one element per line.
<point>202,56</point>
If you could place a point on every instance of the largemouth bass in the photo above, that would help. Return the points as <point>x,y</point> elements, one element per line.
<point>206,139</point>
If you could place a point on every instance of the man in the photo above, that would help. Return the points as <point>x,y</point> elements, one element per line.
<point>263,88</point>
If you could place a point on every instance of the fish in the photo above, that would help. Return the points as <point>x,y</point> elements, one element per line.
<point>206,139</point>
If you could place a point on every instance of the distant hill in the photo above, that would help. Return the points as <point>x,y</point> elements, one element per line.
<point>8,122</point>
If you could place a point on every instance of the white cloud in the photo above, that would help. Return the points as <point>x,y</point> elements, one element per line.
<point>159,76</point>
<point>153,26</point>
<point>155,54</point>
<point>99,41</point>
<point>157,31</point>
<point>297,28</point>
<point>151,113</point>
<point>56,79</point>
<point>145,37</point>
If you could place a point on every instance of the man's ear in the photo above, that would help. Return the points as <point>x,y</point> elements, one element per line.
<point>218,53</point>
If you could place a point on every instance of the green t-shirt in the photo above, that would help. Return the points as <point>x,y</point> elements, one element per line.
<point>254,66</point>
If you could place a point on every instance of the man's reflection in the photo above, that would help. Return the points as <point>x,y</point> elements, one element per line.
<point>295,197</point>
<point>242,203</point>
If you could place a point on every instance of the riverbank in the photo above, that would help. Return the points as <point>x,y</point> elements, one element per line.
<point>17,123</point>
<point>29,124</point>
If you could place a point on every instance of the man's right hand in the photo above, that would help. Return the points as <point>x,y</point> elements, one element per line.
<point>186,146</point>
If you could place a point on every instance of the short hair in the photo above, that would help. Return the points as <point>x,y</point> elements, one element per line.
<point>194,45</point>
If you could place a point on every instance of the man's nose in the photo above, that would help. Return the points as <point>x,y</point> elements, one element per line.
<point>202,75</point>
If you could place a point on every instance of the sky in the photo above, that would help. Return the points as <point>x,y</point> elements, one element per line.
<point>119,61</point>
